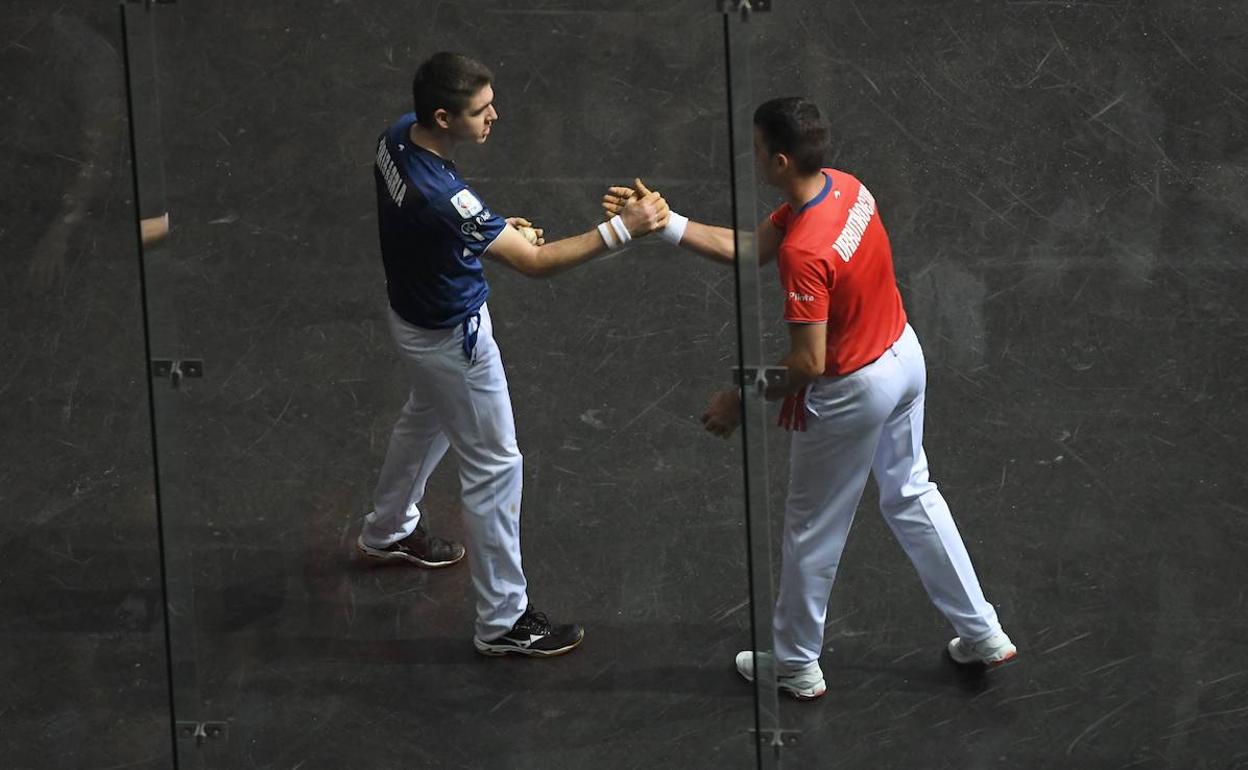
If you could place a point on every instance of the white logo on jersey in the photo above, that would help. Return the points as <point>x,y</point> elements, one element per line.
<point>855,225</point>
<point>470,228</point>
<point>466,204</point>
<point>390,173</point>
<point>796,297</point>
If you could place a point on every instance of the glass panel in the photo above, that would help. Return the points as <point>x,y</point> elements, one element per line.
<point>82,653</point>
<point>170,374</point>
<point>1063,188</point>
<point>308,650</point>
<point>740,24</point>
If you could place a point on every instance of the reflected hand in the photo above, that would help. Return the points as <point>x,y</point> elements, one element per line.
<point>154,229</point>
<point>723,414</point>
<point>47,264</point>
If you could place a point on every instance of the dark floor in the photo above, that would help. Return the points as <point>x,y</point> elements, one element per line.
<point>1066,187</point>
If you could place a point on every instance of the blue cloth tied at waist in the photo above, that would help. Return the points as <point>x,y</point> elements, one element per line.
<point>471,326</point>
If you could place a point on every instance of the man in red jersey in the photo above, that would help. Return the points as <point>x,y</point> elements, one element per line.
<point>854,398</point>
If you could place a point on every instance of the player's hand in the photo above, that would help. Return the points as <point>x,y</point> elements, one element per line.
<point>723,414</point>
<point>614,200</point>
<point>640,192</point>
<point>617,197</point>
<point>153,230</point>
<point>645,214</point>
<point>535,236</point>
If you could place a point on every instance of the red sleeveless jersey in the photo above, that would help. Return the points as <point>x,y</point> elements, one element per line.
<point>836,266</point>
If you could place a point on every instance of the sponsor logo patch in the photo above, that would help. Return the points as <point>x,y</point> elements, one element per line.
<point>466,204</point>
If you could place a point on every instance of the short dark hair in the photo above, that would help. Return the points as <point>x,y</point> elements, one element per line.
<point>794,126</point>
<point>447,81</point>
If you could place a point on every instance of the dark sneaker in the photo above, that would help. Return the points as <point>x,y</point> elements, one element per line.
<point>533,635</point>
<point>419,548</point>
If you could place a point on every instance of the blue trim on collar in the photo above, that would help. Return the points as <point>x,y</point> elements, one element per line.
<point>827,188</point>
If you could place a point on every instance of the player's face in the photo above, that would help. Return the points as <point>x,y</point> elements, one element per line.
<point>473,124</point>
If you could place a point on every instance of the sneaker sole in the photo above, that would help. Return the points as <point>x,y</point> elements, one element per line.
<point>988,664</point>
<point>393,556</point>
<point>492,651</point>
<point>796,694</point>
<point>802,696</point>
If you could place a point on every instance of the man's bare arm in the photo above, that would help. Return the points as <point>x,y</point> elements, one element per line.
<point>709,241</point>
<point>717,242</point>
<point>512,249</point>
<point>806,360</point>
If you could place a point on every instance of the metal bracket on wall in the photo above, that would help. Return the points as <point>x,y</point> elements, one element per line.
<point>778,738</point>
<point>176,370</point>
<point>760,377</point>
<point>203,731</point>
<point>744,6</point>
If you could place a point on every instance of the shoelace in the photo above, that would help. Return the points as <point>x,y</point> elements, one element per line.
<point>536,622</point>
<point>429,541</point>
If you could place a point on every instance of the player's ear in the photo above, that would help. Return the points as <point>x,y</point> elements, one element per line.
<point>441,118</point>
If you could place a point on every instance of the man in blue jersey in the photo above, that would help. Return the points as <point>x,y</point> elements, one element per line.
<point>434,232</point>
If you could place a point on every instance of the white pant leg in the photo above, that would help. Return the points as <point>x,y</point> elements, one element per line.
<point>828,467</point>
<point>482,431</point>
<point>917,513</point>
<point>417,444</point>
<point>472,406</point>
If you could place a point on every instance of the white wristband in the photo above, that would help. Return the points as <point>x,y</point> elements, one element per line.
<point>675,229</point>
<point>604,230</point>
<point>617,224</point>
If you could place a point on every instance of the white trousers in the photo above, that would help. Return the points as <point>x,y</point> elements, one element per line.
<point>463,405</point>
<point>869,421</point>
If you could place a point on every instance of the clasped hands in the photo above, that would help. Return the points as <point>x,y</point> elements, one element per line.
<point>641,211</point>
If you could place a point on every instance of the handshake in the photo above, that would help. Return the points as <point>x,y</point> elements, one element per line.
<point>628,213</point>
<point>632,212</point>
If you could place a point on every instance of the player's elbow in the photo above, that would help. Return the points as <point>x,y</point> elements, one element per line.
<point>539,264</point>
<point>528,269</point>
<point>535,268</point>
<point>528,262</point>
<point>810,366</point>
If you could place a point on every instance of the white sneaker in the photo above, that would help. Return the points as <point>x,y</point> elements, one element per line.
<point>996,650</point>
<point>803,684</point>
